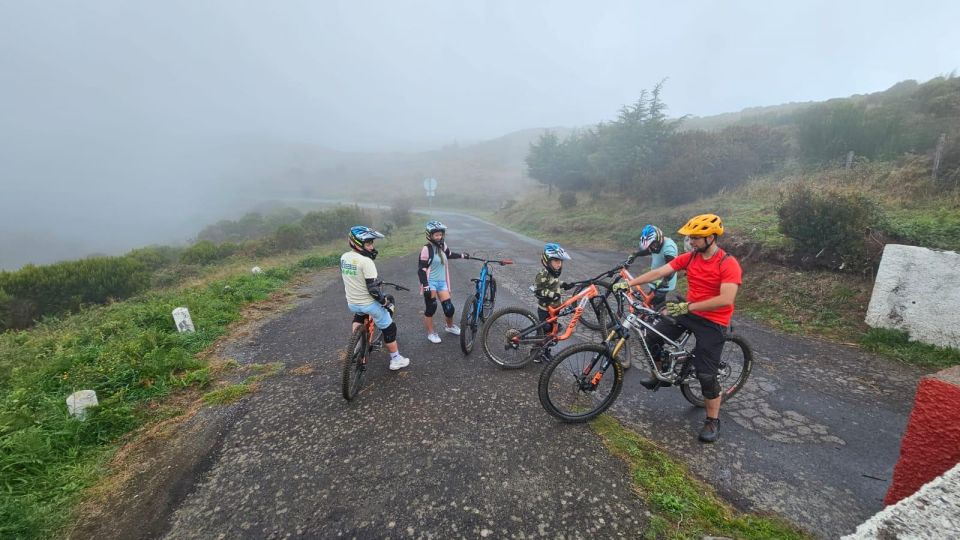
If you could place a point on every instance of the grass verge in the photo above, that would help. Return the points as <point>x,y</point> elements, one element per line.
<point>131,355</point>
<point>682,506</point>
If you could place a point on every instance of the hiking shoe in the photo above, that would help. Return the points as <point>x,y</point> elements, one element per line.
<point>455,330</point>
<point>399,362</point>
<point>711,430</point>
<point>433,337</point>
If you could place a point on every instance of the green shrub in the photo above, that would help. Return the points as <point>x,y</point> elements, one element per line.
<point>206,252</point>
<point>399,213</point>
<point>567,199</point>
<point>323,226</point>
<point>156,257</point>
<point>829,225</point>
<point>51,290</point>
<point>289,237</point>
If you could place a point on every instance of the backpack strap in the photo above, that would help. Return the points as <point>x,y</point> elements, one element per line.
<point>690,260</point>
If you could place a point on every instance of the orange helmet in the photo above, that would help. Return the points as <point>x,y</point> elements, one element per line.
<point>703,225</point>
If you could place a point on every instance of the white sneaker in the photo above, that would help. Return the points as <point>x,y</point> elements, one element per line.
<point>434,338</point>
<point>455,330</point>
<point>399,362</point>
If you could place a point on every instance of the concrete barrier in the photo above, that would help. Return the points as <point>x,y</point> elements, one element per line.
<point>932,512</point>
<point>931,444</point>
<point>918,290</point>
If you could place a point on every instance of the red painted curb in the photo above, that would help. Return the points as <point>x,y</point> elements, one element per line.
<point>931,445</point>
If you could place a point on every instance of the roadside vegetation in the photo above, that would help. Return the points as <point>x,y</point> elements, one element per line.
<point>809,196</point>
<point>129,352</point>
<point>681,505</point>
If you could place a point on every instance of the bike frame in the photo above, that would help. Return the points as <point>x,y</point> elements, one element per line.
<point>481,290</point>
<point>633,322</point>
<point>574,305</point>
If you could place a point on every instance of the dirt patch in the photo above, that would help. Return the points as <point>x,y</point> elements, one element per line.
<point>305,369</point>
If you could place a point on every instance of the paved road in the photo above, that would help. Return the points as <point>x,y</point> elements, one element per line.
<point>453,447</point>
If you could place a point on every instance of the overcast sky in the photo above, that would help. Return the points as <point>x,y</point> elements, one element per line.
<point>100,99</point>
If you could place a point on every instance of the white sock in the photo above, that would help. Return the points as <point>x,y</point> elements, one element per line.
<point>395,355</point>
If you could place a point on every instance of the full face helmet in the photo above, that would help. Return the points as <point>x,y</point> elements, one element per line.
<point>651,238</point>
<point>360,235</point>
<point>553,251</point>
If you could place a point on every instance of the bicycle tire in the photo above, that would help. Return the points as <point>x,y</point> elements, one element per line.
<point>469,328</point>
<point>354,366</point>
<point>734,371</point>
<point>495,344</point>
<point>595,318</point>
<point>552,385</point>
<point>492,294</point>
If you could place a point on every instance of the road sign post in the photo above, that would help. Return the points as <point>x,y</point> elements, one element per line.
<point>430,186</point>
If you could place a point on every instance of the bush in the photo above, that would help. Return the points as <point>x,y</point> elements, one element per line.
<point>203,252</point>
<point>289,237</point>
<point>831,226</point>
<point>568,200</point>
<point>399,213</point>
<point>43,291</point>
<point>156,257</point>
<point>319,227</point>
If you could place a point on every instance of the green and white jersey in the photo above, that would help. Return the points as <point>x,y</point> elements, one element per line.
<point>355,269</point>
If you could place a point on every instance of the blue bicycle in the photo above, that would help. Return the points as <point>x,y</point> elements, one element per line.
<point>479,306</point>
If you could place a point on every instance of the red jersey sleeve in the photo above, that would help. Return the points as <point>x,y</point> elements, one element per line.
<point>681,262</point>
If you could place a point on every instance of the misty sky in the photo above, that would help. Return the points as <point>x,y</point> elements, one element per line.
<point>110,111</point>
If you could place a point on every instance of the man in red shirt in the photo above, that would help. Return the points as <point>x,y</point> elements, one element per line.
<point>713,278</point>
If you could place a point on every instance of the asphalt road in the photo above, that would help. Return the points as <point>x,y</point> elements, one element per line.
<point>454,447</point>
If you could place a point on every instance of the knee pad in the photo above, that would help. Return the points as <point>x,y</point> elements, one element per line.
<point>431,306</point>
<point>448,308</point>
<point>358,318</point>
<point>390,333</point>
<point>709,386</point>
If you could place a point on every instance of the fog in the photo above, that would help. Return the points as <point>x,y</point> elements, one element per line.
<point>128,123</point>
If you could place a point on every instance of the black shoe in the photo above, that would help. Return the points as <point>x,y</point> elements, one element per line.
<point>543,357</point>
<point>711,430</point>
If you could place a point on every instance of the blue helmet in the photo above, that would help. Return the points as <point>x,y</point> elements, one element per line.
<point>360,234</point>
<point>553,251</point>
<point>651,238</point>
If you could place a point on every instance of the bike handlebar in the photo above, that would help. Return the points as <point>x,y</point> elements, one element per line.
<point>395,286</point>
<point>486,261</point>
<point>639,307</point>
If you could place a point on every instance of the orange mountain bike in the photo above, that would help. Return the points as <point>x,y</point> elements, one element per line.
<point>367,338</point>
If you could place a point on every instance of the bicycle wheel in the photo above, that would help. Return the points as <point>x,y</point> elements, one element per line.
<point>469,326</point>
<point>355,363</point>
<point>736,361</point>
<point>568,394</point>
<point>498,333</point>
<point>595,318</point>
<point>491,298</point>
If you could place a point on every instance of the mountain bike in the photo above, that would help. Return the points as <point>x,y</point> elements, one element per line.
<point>366,339</point>
<point>578,384</point>
<point>479,306</point>
<point>514,336</point>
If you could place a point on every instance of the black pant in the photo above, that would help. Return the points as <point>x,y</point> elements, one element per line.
<point>709,336</point>
<point>543,315</point>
